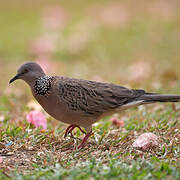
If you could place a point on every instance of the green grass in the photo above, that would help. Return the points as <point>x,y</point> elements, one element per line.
<point>108,154</point>
<point>108,54</point>
<point>151,169</point>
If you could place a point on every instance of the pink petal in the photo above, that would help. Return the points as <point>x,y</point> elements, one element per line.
<point>29,118</point>
<point>37,118</point>
<point>47,64</point>
<point>55,17</point>
<point>2,117</point>
<point>113,15</point>
<point>146,141</point>
<point>117,122</point>
<point>1,159</point>
<point>43,45</point>
<point>139,70</point>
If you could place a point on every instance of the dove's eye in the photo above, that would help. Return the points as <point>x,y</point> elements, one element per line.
<point>25,71</point>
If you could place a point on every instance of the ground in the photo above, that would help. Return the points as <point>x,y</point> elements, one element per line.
<point>117,42</point>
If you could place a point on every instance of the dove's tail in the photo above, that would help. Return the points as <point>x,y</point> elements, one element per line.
<point>148,98</point>
<point>153,97</point>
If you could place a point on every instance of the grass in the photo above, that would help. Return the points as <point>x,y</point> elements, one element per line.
<point>30,154</point>
<point>142,52</point>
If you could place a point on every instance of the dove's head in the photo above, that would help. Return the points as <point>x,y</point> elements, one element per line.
<point>28,72</point>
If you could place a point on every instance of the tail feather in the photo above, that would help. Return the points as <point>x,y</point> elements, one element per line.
<point>152,97</point>
<point>148,98</point>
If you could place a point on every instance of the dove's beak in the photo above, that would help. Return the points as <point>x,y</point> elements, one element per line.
<point>14,78</point>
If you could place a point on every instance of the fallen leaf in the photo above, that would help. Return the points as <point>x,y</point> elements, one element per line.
<point>37,118</point>
<point>2,145</point>
<point>146,141</point>
<point>43,130</point>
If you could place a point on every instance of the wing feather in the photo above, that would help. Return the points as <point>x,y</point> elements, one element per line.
<point>94,98</point>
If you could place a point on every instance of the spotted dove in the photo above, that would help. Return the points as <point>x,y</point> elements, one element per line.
<point>81,103</point>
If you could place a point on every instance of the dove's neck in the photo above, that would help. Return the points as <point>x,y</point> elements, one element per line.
<point>42,85</point>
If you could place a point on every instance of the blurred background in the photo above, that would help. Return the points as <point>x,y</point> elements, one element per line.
<point>135,44</point>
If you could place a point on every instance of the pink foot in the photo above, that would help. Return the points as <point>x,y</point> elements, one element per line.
<point>70,129</point>
<point>85,139</point>
<point>67,130</point>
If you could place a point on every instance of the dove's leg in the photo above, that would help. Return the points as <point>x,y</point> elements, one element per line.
<point>85,139</point>
<point>70,129</point>
<point>67,130</point>
<point>88,134</point>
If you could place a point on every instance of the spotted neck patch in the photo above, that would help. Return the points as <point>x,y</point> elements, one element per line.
<point>43,85</point>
